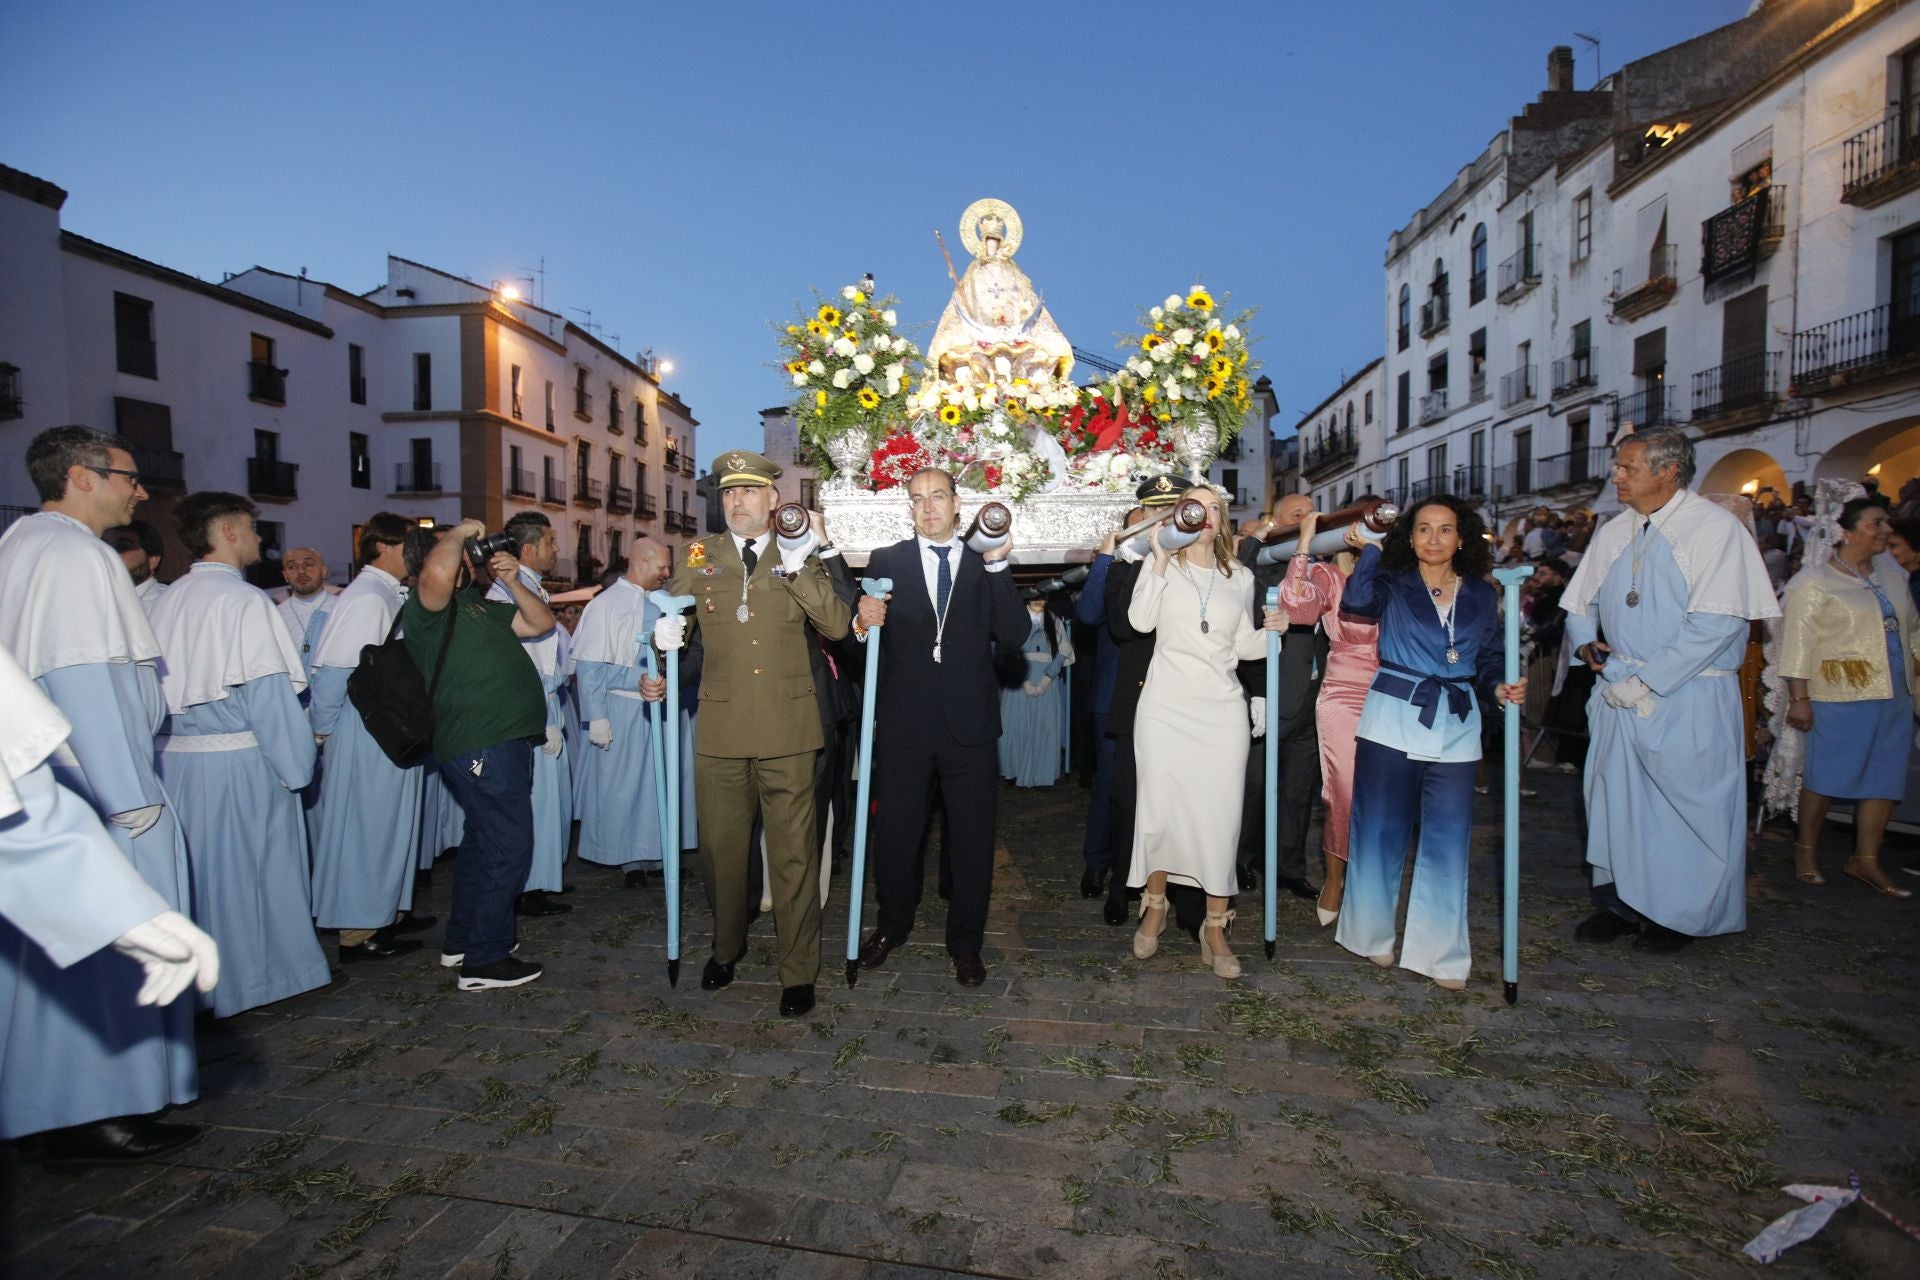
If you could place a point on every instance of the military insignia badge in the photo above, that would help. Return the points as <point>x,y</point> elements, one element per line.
<point>696,555</point>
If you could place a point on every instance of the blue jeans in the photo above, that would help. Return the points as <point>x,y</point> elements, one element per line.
<point>496,850</point>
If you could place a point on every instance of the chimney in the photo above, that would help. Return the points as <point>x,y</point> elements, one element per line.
<point>1560,69</point>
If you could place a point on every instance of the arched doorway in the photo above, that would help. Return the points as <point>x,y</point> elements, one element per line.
<point>1746,471</point>
<point>1888,451</point>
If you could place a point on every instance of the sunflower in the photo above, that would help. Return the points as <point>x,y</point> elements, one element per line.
<point>868,398</point>
<point>796,366</point>
<point>1220,367</point>
<point>1149,393</point>
<point>819,402</point>
<point>828,314</point>
<point>1151,341</point>
<point>817,329</point>
<point>950,414</point>
<point>1214,340</point>
<point>1200,299</point>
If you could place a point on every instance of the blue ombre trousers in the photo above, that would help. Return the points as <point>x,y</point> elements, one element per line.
<point>1392,796</point>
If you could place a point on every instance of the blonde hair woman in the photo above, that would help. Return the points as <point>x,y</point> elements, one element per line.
<point>1191,732</point>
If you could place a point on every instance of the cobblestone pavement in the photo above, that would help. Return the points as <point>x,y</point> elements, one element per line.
<point>1083,1114</point>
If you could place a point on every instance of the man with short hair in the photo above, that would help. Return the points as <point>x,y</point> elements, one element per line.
<point>1672,583</point>
<point>309,598</point>
<point>96,1063</point>
<point>236,753</point>
<point>141,551</point>
<point>757,604</point>
<point>937,717</point>
<point>488,711</point>
<point>552,772</point>
<point>363,821</point>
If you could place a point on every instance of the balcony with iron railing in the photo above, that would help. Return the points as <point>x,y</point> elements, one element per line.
<point>1435,313</point>
<point>1733,241</point>
<point>11,404</point>
<point>1470,481</point>
<point>1476,386</point>
<point>647,509</point>
<point>1513,478</point>
<point>586,491</point>
<point>1431,487</point>
<point>673,458</point>
<point>583,404</point>
<point>160,468</point>
<point>1326,451</point>
<point>272,479</point>
<point>1573,468</point>
<point>553,491</point>
<point>1881,161</point>
<point>410,477</point>
<point>1433,406</point>
<point>1634,298</point>
<point>1857,348</point>
<point>686,468</point>
<point>1741,384</point>
<point>1517,387</point>
<point>266,383</point>
<point>1519,274</point>
<point>520,483</point>
<point>619,499</point>
<point>1649,407</point>
<point>1396,494</point>
<point>1572,373</point>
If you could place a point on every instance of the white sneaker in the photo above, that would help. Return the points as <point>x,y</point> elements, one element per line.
<point>505,972</point>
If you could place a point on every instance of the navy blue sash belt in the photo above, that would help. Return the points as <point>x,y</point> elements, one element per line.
<point>1423,691</point>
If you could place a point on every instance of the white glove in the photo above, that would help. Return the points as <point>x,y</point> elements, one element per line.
<point>1031,689</point>
<point>555,740</point>
<point>1259,709</point>
<point>670,633</point>
<point>1128,552</point>
<point>1631,692</point>
<point>136,821</point>
<point>600,733</point>
<point>174,953</point>
<point>1040,686</point>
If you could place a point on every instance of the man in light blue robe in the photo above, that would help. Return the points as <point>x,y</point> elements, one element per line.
<point>1659,608</point>
<point>235,756</point>
<point>619,813</point>
<point>365,824</point>
<point>552,770</point>
<point>309,599</point>
<point>97,1063</point>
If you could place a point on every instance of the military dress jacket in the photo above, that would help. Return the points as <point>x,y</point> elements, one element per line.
<point>757,691</point>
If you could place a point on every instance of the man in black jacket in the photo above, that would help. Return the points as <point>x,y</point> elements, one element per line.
<point>937,716</point>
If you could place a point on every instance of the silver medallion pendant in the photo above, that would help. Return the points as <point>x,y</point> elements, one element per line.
<point>1204,628</point>
<point>1633,599</point>
<point>740,614</point>
<point>1890,624</point>
<point>936,651</point>
<point>1453,657</point>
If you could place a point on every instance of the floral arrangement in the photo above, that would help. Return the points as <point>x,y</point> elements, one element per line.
<point>849,368</point>
<point>1191,368</point>
<point>896,459</point>
<point>1108,446</point>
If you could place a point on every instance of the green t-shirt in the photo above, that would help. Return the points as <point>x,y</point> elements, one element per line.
<point>491,692</point>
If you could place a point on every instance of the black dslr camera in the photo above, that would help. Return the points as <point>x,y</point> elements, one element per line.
<point>481,550</point>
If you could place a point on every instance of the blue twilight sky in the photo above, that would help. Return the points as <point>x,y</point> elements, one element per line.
<point>687,171</point>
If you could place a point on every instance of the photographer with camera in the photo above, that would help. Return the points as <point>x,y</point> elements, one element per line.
<point>488,713</point>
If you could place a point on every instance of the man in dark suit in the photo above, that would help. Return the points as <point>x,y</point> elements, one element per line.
<point>1302,660</point>
<point>937,716</point>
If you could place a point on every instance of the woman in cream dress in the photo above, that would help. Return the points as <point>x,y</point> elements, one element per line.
<point>1191,731</point>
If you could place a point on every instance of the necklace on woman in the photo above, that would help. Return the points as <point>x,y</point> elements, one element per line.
<point>1888,620</point>
<point>1206,599</point>
<point>1446,620</point>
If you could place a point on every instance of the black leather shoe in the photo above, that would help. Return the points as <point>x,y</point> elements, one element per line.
<point>540,904</point>
<point>423,879</point>
<point>124,1140</point>
<point>1249,881</point>
<point>968,971</point>
<point>1093,884</point>
<point>411,923</point>
<point>715,975</point>
<point>875,950</point>
<point>1603,926</point>
<point>796,1001</point>
<point>1660,940</point>
<point>380,946</point>
<point>1115,912</point>
<point>1298,888</point>
<point>639,878</point>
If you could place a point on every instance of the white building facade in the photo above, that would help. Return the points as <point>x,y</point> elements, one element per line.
<point>431,396</point>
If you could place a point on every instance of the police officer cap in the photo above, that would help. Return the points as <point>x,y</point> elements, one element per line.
<point>1160,491</point>
<point>739,467</point>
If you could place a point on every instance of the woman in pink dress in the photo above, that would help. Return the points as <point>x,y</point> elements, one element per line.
<point>1353,654</point>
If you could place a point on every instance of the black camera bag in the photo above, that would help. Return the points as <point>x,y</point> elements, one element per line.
<point>394,703</point>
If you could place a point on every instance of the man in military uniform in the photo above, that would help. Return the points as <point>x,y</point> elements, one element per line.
<point>759,723</point>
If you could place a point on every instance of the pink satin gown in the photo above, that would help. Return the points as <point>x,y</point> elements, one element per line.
<point>1353,655</point>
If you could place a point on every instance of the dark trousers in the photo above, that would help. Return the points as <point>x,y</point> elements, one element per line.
<point>1298,739</point>
<point>833,787</point>
<point>905,768</point>
<point>494,788</point>
<point>1095,850</point>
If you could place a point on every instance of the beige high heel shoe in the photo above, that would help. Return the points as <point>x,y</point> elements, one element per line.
<point>1144,943</point>
<point>1332,890</point>
<point>1225,964</point>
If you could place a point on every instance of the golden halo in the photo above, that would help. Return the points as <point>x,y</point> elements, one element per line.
<point>970,226</point>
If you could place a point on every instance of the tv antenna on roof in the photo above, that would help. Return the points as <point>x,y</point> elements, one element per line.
<point>1595,42</point>
<point>540,295</point>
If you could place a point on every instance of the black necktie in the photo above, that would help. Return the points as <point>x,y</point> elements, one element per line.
<point>943,582</point>
<point>748,558</point>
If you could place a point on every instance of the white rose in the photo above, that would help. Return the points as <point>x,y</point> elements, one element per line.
<point>1156,312</point>
<point>1162,353</point>
<point>1181,337</point>
<point>1173,302</point>
<point>1233,332</point>
<point>890,317</point>
<point>800,379</point>
<point>1213,322</point>
<point>1003,366</point>
<point>844,347</point>
<point>850,293</point>
<point>989,397</point>
<point>897,370</point>
<point>1172,388</point>
<point>817,369</point>
<point>1201,349</point>
<point>893,386</point>
<point>842,378</point>
<point>901,346</point>
<point>1139,367</point>
<point>969,401</point>
<point>1120,464</point>
<point>997,428</point>
<point>864,363</point>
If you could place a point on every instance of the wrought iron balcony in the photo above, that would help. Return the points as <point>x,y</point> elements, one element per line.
<point>1434,314</point>
<point>1633,298</point>
<point>1432,487</point>
<point>1325,452</point>
<point>11,405</point>
<point>1575,467</point>
<point>1881,161</point>
<point>1572,373</point>
<point>619,499</point>
<point>1652,407</point>
<point>648,508</point>
<point>1745,383</point>
<point>686,469</point>
<point>1735,239</point>
<point>264,382</point>
<point>1517,386</point>
<point>273,479</point>
<point>411,478</point>
<point>1519,274</point>
<point>160,468</point>
<point>553,490</point>
<point>673,458</point>
<point>586,491</point>
<point>1470,481</point>
<point>1476,386</point>
<point>520,483</point>
<point>1856,347</point>
<point>1513,479</point>
<point>1433,406</point>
